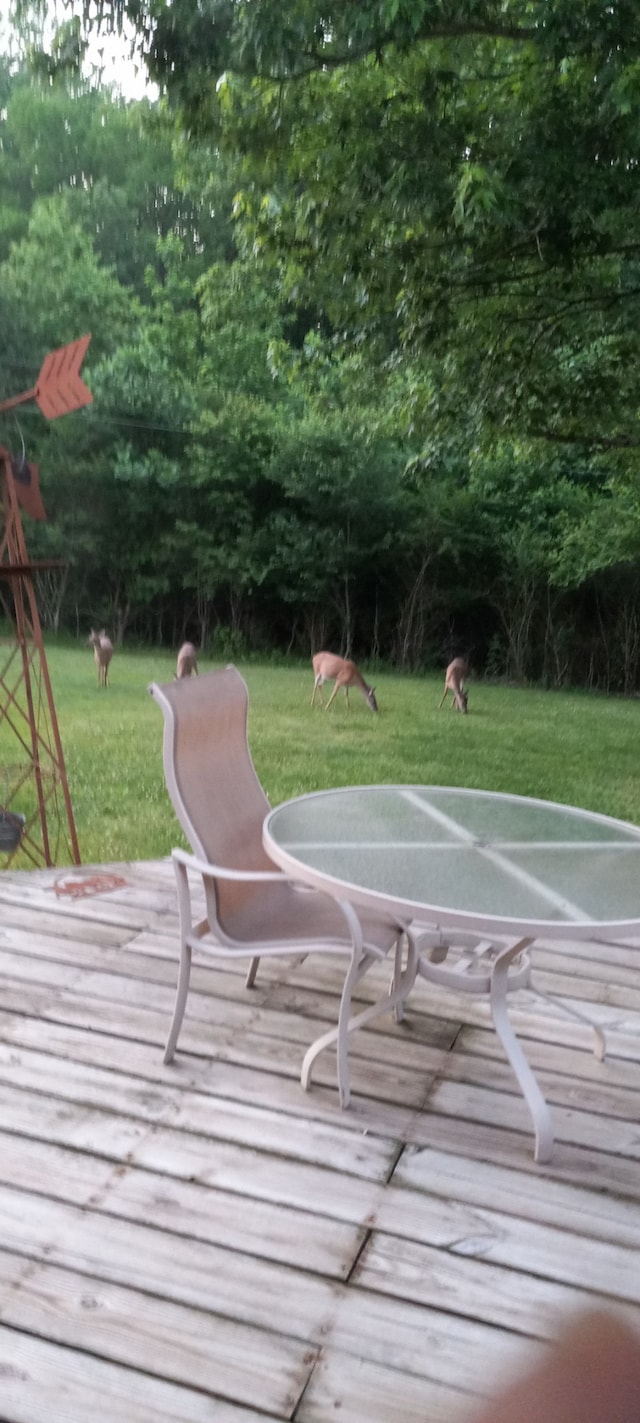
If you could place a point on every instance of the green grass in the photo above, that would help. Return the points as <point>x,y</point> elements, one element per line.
<point>572,747</point>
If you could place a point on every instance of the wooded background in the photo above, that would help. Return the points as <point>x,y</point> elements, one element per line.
<point>364,302</point>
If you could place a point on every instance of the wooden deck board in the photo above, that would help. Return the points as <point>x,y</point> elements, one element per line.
<point>153,1335</point>
<point>206,1241</point>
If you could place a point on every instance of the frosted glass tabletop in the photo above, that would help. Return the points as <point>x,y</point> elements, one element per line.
<point>481,859</point>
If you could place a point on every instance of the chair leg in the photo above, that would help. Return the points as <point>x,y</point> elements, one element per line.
<point>396,979</point>
<point>184,971</point>
<point>182,990</point>
<point>251,973</point>
<point>401,985</point>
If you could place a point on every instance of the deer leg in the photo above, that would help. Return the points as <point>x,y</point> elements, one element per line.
<point>317,687</point>
<point>336,689</point>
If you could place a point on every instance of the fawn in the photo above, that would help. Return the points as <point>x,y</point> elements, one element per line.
<point>187,661</point>
<point>103,652</point>
<point>454,683</point>
<point>328,668</point>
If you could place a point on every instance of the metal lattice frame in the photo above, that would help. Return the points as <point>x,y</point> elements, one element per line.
<point>35,784</point>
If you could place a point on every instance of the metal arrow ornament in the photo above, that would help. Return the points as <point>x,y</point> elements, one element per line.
<point>59,388</point>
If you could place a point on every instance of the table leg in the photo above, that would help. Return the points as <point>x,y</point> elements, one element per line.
<point>529,1086</point>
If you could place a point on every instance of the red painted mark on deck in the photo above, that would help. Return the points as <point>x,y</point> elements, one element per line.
<point>91,884</point>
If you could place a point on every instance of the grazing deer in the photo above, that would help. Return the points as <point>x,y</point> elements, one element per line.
<point>454,683</point>
<point>327,668</point>
<point>187,661</point>
<point>103,652</point>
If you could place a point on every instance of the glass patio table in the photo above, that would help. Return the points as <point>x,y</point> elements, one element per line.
<point>485,873</point>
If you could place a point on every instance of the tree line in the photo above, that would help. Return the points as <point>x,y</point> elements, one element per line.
<point>364,320</point>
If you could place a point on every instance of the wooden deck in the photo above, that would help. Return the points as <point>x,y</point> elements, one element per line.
<point>208,1242</point>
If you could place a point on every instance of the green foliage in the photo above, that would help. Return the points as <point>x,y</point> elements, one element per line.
<point>61,288</point>
<point>453,184</point>
<point>240,318</point>
<point>390,405</point>
<point>114,165</point>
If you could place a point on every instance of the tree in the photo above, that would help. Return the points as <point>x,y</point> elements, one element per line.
<point>58,289</point>
<point>452,181</point>
<point>395,400</point>
<point>114,165</point>
<point>61,286</point>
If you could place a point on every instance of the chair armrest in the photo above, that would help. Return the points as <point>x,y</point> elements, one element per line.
<point>203,867</point>
<point>347,910</point>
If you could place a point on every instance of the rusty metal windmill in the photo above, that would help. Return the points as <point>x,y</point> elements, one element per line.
<point>36,815</point>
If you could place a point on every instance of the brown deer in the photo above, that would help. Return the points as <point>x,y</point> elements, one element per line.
<point>103,652</point>
<point>328,668</point>
<point>187,661</point>
<point>455,676</point>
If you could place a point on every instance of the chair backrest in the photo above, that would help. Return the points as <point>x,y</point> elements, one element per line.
<point>211,778</point>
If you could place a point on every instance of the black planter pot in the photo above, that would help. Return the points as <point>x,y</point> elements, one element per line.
<point>11,827</point>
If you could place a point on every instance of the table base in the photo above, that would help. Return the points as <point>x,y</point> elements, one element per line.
<point>495,969</point>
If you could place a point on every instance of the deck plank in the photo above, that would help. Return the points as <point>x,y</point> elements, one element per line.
<point>155,1336</point>
<point>205,1241</point>
<point>38,1375</point>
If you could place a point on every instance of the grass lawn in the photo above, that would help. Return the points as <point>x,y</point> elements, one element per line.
<point>565,746</point>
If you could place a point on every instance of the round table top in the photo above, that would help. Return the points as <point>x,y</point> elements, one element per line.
<point>479,859</point>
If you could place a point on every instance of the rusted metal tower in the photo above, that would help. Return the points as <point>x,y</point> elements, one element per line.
<point>35,783</point>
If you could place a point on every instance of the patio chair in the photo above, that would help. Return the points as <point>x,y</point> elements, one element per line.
<point>252,907</point>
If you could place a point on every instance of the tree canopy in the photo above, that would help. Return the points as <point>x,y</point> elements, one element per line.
<point>451,182</point>
<point>363,288</point>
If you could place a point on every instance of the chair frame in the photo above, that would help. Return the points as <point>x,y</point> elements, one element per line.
<point>209,934</point>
